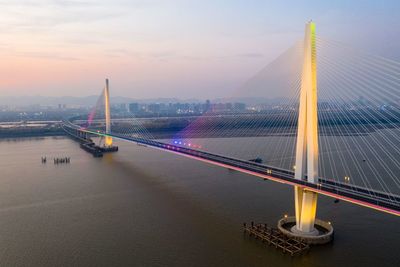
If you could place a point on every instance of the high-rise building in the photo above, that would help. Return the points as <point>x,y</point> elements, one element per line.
<point>239,106</point>
<point>134,107</point>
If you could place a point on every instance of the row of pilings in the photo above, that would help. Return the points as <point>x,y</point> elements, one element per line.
<point>61,160</point>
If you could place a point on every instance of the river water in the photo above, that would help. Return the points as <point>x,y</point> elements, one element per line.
<point>143,207</point>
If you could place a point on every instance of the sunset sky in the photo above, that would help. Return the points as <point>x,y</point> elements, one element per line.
<point>170,48</point>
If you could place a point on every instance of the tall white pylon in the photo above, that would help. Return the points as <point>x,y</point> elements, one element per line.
<point>307,137</point>
<point>108,140</point>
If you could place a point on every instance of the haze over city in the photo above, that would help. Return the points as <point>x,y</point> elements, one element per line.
<point>183,49</point>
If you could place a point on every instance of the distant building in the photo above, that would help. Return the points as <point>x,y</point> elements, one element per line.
<point>207,106</point>
<point>239,106</point>
<point>134,107</point>
<point>154,108</point>
<point>122,107</point>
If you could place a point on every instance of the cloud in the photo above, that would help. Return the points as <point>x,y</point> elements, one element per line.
<point>251,55</point>
<point>47,3</point>
<point>45,56</point>
<point>41,16</point>
<point>162,54</point>
<point>77,3</point>
<point>117,52</point>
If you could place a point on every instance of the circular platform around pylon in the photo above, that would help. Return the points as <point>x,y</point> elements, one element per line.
<point>323,231</point>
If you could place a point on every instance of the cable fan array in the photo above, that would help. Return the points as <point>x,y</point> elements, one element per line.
<point>358,116</point>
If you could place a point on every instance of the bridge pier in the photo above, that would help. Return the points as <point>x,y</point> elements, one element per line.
<point>306,210</point>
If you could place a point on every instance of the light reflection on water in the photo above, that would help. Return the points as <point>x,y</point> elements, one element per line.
<point>142,207</point>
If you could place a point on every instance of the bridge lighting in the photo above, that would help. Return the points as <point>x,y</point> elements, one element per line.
<point>294,167</point>
<point>286,216</point>
<point>177,142</point>
<point>347,178</point>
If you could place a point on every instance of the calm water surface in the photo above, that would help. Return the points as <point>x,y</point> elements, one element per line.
<point>142,207</point>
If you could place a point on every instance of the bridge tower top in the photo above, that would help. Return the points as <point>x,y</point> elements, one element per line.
<point>307,132</point>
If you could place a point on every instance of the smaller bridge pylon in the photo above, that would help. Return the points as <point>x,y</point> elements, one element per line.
<point>108,141</point>
<point>83,134</point>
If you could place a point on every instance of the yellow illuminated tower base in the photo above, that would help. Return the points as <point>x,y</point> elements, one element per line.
<point>108,140</point>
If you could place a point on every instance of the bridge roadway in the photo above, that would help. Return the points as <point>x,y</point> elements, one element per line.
<point>375,199</point>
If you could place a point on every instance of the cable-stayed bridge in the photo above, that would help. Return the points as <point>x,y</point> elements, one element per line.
<point>331,128</point>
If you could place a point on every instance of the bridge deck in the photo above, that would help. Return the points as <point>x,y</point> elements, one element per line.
<point>375,199</point>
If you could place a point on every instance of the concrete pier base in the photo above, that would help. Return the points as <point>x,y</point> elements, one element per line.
<point>296,231</point>
<point>322,233</point>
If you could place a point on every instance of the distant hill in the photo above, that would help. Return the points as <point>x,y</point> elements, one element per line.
<point>251,100</point>
<point>89,101</point>
<point>81,101</point>
<point>46,100</point>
